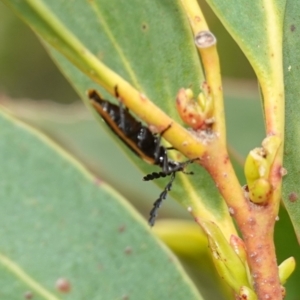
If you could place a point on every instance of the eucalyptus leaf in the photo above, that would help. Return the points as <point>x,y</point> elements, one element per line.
<point>60,222</point>
<point>252,25</point>
<point>291,186</point>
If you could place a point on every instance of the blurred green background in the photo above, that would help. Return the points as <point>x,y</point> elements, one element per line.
<point>32,87</point>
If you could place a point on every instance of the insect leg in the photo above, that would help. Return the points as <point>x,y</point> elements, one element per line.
<point>122,110</point>
<point>157,149</point>
<point>158,202</point>
<point>122,117</point>
<point>165,161</point>
<point>165,164</point>
<point>190,161</point>
<point>185,163</point>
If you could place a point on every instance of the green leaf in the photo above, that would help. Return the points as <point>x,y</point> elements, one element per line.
<point>58,221</point>
<point>291,186</point>
<point>149,44</point>
<point>256,26</point>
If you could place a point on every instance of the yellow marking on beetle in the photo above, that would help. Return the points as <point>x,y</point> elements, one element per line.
<point>120,133</point>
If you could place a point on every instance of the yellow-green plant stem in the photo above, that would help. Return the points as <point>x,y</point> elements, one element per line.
<point>272,88</point>
<point>210,62</point>
<point>255,222</point>
<point>271,83</point>
<point>211,65</point>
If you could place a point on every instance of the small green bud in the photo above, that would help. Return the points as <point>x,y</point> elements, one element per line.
<point>199,114</point>
<point>206,104</point>
<point>260,190</point>
<point>286,268</point>
<point>257,169</point>
<point>255,165</point>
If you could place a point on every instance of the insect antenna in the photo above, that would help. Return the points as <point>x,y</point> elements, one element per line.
<point>154,175</point>
<point>157,204</point>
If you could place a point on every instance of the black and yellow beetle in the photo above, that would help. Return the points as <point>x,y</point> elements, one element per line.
<point>141,141</point>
